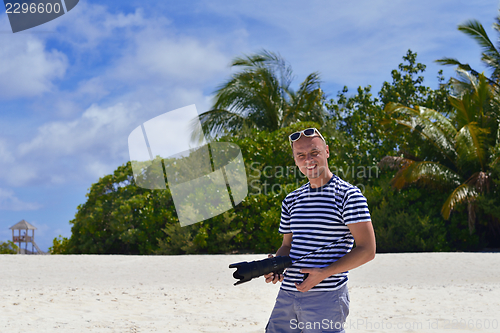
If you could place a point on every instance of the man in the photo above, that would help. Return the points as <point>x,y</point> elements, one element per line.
<point>319,222</point>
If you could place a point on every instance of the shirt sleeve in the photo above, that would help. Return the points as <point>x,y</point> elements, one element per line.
<point>355,207</point>
<point>285,219</point>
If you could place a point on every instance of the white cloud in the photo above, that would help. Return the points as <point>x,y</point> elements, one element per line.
<point>358,43</point>
<point>62,151</point>
<point>20,173</point>
<point>89,25</point>
<point>158,58</point>
<point>27,68</point>
<point>93,89</point>
<point>88,147</point>
<point>145,49</point>
<point>97,169</point>
<point>5,154</point>
<point>158,72</point>
<point>141,60</point>
<point>98,127</point>
<point>8,201</point>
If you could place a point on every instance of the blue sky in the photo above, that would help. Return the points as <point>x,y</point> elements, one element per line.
<point>73,89</point>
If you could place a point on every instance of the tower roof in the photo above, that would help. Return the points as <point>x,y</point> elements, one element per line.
<point>22,225</point>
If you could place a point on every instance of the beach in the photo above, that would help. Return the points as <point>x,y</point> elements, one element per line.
<point>410,292</point>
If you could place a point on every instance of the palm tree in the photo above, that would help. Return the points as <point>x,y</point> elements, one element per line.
<point>464,143</point>
<point>259,96</point>
<point>490,54</point>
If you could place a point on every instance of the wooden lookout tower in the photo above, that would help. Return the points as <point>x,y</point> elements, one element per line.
<point>24,227</point>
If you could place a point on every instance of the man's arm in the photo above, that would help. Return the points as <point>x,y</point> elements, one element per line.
<point>364,236</point>
<point>284,250</point>
<point>286,245</point>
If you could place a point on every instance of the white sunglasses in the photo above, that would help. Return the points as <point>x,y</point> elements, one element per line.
<point>308,132</point>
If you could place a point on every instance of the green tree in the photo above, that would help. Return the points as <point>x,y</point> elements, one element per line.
<point>260,96</point>
<point>463,144</point>
<point>59,245</point>
<point>119,217</point>
<point>356,125</point>
<point>409,219</point>
<point>8,247</point>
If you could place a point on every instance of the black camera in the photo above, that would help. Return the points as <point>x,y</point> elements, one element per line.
<point>245,271</point>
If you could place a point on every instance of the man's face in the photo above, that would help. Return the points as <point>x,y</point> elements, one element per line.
<point>310,155</point>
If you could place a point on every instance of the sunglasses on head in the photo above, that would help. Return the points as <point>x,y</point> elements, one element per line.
<point>308,132</point>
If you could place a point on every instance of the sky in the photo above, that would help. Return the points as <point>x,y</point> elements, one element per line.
<point>73,89</point>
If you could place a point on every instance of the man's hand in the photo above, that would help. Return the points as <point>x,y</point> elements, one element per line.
<point>272,277</point>
<point>284,250</point>
<point>316,275</point>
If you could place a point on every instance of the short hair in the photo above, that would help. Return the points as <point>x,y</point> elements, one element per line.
<point>314,136</point>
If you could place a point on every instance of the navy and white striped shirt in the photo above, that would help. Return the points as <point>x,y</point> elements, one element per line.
<point>318,219</point>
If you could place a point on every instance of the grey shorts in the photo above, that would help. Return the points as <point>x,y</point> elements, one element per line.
<point>312,311</point>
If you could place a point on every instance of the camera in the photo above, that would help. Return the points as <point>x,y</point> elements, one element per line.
<point>245,271</point>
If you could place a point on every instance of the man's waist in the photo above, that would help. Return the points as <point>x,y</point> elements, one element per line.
<point>332,282</point>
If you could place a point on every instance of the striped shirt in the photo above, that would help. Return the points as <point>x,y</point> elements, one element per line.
<point>318,219</point>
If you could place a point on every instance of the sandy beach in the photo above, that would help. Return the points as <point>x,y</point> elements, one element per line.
<point>414,292</point>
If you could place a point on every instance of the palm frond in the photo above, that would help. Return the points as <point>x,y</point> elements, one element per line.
<point>311,83</point>
<point>490,54</point>
<point>254,95</point>
<point>430,124</point>
<point>306,103</point>
<point>259,96</point>
<point>394,162</point>
<point>476,30</point>
<point>464,82</point>
<point>271,61</point>
<point>453,62</point>
<point>474,126</point>
<point>482,94</point>
<point>431,173</point>
<point>495,105</point>
<point>462,193</point>
<point>470,143</point>
<point>472,102</point>
<point>438,120</point>
<point>466,192</point>
<point>215,123</point>
<point>492,63</point>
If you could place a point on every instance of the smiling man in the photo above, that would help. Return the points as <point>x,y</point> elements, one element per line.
<point>320,221</point>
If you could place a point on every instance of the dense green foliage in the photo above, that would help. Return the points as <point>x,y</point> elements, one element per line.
<point>59,245</point>
<point>462,143</point>
<point>408,219</point>
<point>8,247</point>
<point>120,217</point>
<point>488,219</point>
<point>356,122</point>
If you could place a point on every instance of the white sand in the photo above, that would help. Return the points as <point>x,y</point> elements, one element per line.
<point>426,292</point>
